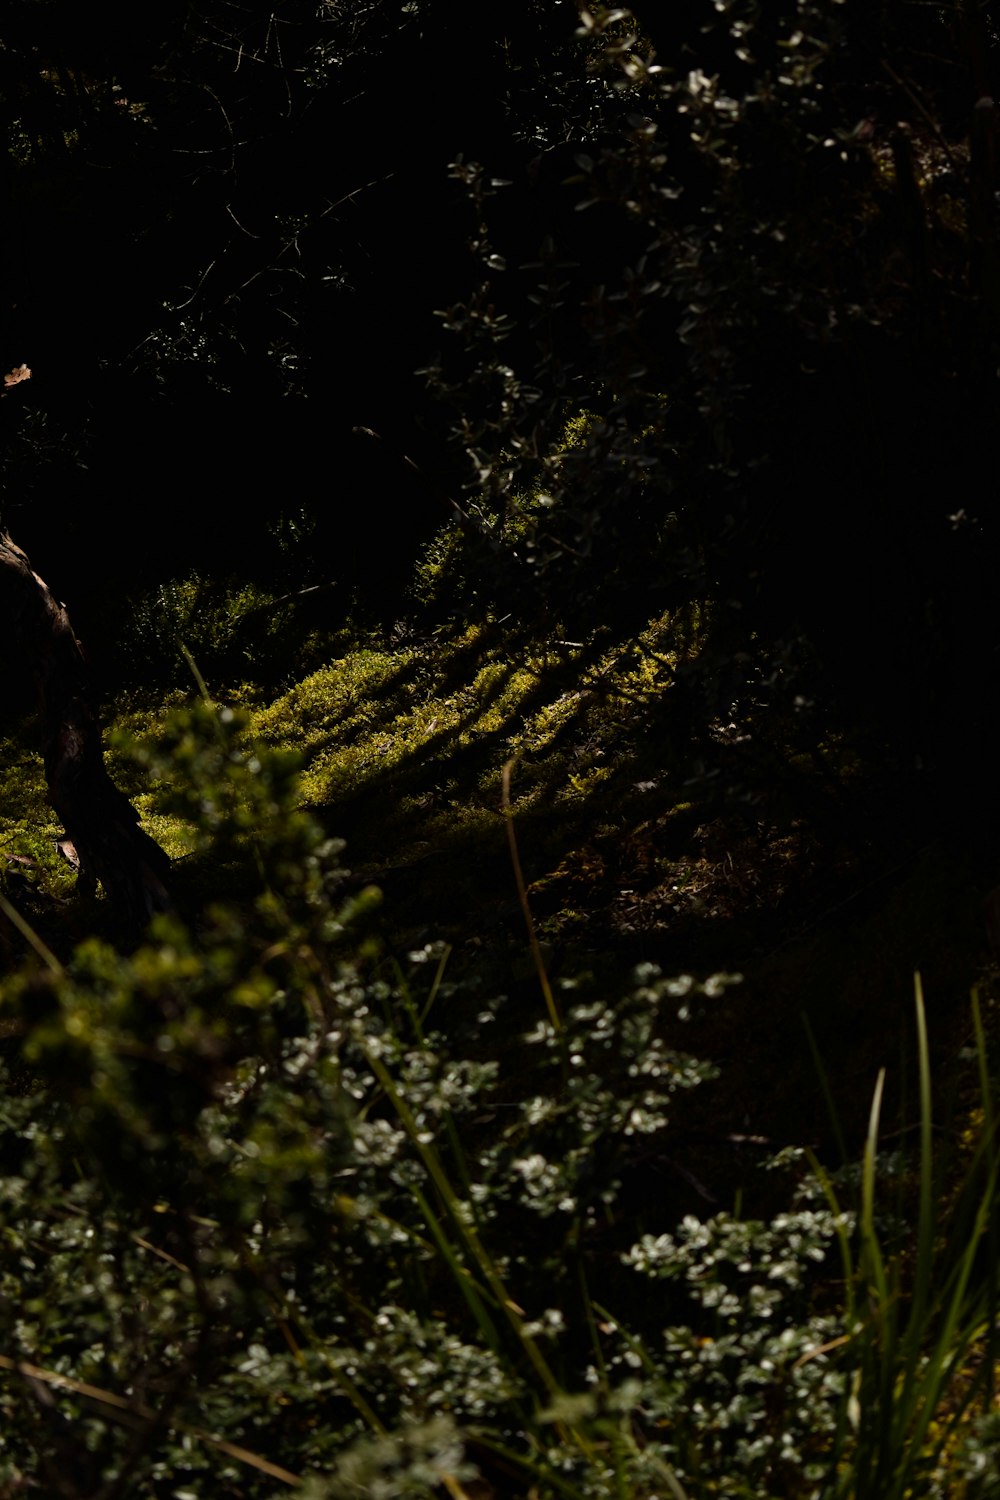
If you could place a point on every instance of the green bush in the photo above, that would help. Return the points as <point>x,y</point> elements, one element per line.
<point>279,1209</point>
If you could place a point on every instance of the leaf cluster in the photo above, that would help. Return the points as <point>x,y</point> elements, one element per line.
<point>280,1209</point>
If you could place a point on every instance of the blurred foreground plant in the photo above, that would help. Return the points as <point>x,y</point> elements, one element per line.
<point>276,1212</point>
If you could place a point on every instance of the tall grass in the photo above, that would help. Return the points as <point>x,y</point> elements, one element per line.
<point>920,1346</point>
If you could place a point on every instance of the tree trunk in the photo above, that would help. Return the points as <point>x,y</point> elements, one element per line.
<point>99,820</point>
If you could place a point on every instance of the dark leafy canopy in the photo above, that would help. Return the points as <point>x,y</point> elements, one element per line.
<point>791,374</point>
<point>218,214</point>
<point>752,248</point>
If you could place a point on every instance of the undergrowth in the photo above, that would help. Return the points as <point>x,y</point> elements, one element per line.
<point>296,1197</point>
<point>278,1215</point>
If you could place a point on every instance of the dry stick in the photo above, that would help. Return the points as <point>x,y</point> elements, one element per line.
<point>140,1409</point>
<point>30,936</point>
<point>522,896</point>
<point>258,609</point>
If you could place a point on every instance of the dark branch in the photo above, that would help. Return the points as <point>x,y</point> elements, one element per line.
<point>99,820</point>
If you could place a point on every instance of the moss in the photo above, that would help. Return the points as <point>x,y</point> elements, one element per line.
<point>28,827</point>
<point>236,631</point>
<point>442,563</point>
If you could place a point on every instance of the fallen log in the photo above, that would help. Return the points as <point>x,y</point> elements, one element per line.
<point>100,822</point>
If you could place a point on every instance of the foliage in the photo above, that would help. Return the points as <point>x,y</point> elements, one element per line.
<point>924,1329</point>
<point>237,631</point>
<point>282,1207</point>
<point>224,1106</point>
<point>277,1208</point>
<point>778,313</point>
<point>696,241</point>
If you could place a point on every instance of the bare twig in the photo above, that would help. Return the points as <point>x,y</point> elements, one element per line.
<point>113,1402</point>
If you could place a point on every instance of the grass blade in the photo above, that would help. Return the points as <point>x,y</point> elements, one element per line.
<point>522,896</point>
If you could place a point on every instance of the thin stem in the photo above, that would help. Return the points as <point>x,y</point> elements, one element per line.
<point>522,896</point>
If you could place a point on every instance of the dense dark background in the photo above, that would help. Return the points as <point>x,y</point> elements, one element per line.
<point>768,270</point>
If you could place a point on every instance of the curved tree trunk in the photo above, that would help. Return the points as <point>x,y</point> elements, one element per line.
<point>99,820</point>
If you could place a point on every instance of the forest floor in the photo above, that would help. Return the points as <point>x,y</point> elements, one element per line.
<point>820,895</point>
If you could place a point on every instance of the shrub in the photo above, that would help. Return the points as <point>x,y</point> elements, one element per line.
<point>279,1208</point>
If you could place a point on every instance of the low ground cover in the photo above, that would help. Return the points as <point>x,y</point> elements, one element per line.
<point>304,1193</point>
